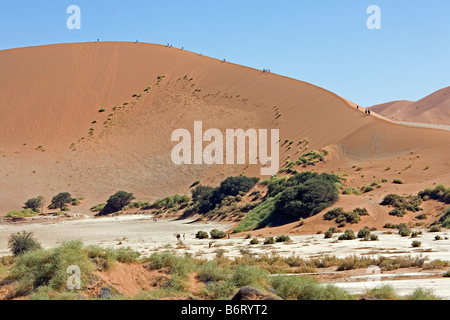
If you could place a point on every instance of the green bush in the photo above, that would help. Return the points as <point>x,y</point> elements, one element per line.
<point>216,234</point>
<point>364,232</point>
<point>435,228</point>
<point>397,181</point>
<point>60,201</point>
<point>306,288</point>
<point>445,219</point>
<point>333,214</point>
<point>416,244</point>
<point>397,212</point>
<point>269,240</point>
<point>22,242</point>
<point>423,294</point>
<point>328,234</point>
<point>49,267</point>
<point>25,213</point>
<point>410,202</point>
<point>404,231</point>
<point>307,199</point>
<point>201,235</point>
<point>98,207</point>
<point>282,238</point>
<point>351,190</point>
<point>254,241</point>
<point>117,202</point>
<point>439,193</point>
<point>349,217</point>
<point>348,235</point>
<point>35,204</point>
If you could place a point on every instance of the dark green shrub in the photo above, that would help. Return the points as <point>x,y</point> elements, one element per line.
<point>440,193</point>
<point>421,216</point>
<point>348,217</point>
<point>333,214</point>
<point>410,202</point>
<point>404,231</point>
<point>60,201</point>
<point>397,181</point>
<point>283,238</point>
<point>308,199</point>
<point>361,211</point>
<point>435,228</point>
<point>254,241</point>
<point>416,244</point>
<point>22,242</point>
<point>348,235</point>
<point>201,235</point>
<point>364,232</point>
<point>397,212</point>
<point>35,204</point>
<point>217,234</point>
<point>117,202</point>
<point>269,240</point>
<point>328,234</point>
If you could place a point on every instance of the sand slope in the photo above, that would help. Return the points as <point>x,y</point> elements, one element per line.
<point>51,95</point>
<point>434,109</point>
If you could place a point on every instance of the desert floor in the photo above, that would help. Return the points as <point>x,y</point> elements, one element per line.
<point>143,234</point>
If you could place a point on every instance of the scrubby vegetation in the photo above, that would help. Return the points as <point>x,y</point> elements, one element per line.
<point>402,204</point>
<point>60,201</point>
<point>117,202</point>
<point>342,216</point>
<point>35,204</point>
<point>42,274</point>
<point>206,198</point>
<point>440,193</point>
<point>21,242</point>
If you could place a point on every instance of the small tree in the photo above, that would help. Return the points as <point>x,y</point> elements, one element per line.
<point>117,202</point>
<point>21,242</point>
<point>35,204</point>
<point>60,201</point>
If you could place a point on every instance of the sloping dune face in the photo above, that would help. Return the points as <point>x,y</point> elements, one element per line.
<point>94,118</point>
<point>434,109</point>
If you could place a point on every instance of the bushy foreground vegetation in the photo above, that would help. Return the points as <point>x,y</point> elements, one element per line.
<point>42,274</point>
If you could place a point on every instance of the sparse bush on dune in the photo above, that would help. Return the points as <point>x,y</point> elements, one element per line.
<point>445,219</point>
<point>351,190</point>
<point>439,193</point>
<point>402,204</point>
<point>342,217</point>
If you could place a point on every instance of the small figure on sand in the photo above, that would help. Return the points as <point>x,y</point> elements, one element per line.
<point>178,237</point>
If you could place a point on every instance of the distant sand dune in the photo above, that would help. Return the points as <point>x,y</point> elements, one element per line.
<point>50,97</point>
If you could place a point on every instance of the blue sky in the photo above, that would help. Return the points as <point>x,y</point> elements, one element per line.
<point>325,42</point>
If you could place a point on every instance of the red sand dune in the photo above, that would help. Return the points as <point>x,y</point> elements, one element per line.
<point>434,109</point>
<point>50,96</point>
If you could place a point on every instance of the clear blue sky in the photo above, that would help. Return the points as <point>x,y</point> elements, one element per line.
<point>325,42</point>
